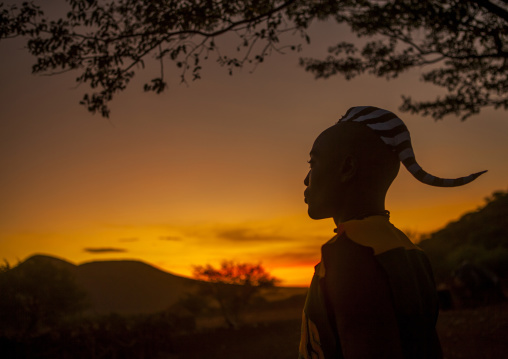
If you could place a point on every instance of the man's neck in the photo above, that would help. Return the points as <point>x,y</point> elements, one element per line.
<point>359,211</point>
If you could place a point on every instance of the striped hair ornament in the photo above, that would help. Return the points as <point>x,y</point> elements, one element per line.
<point>394,133</point>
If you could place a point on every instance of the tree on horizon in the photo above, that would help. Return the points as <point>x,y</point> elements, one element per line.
<point>234,285</point>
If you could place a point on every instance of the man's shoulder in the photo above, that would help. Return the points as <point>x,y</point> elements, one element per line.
<point>377,233</point>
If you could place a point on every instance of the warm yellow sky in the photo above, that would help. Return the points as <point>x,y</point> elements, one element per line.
<point>213,170</point>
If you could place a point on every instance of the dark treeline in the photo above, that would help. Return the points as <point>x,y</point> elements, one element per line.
<point>470,256</point>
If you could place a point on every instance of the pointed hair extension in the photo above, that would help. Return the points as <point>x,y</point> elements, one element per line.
<point>394,133</point>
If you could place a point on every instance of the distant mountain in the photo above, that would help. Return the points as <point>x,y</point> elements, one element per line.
<point>130,287</point>
<point>125,286</point>
<point>42,258</point>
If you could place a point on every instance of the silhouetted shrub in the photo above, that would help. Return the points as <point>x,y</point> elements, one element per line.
<point>37,295</point>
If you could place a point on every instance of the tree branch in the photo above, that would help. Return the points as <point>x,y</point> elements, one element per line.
<point>493,8</point>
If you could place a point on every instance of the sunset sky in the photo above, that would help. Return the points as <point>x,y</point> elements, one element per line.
<point>213,170</point>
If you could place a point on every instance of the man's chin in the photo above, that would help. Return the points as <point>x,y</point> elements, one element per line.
<point>316,214</point>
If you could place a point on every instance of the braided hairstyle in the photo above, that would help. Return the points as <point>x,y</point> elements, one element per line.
<point>394,133</point>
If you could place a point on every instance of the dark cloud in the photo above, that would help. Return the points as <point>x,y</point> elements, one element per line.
<point>170,238</point>
<point>132,239</point>
<point>248,234</point>
<point>98,250</point>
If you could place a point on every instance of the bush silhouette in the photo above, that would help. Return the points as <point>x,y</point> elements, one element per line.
<point>35,296</point>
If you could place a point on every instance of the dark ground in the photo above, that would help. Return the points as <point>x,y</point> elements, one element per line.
<point>269,333</point>
<point>464,333</point>
<point>475,333</point>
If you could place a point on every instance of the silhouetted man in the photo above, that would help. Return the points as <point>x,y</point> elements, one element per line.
<point>373,293</point>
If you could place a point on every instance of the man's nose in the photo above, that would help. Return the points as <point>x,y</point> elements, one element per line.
<point>306,180</point>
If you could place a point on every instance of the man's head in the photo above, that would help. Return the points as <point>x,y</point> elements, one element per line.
<point>351,171</point>
<point>354,162</point>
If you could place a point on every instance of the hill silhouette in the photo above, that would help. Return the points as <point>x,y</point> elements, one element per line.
<point>479,237</point>
<point>124,286</point>
<point>131,287</point>
<point>42,258</point>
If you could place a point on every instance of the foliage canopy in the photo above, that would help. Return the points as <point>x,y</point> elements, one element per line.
<point>234,285</point>
<point>463,43</point>
<point>229,272</point>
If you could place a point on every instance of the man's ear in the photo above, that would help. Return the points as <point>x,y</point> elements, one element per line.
<point>348,169</point>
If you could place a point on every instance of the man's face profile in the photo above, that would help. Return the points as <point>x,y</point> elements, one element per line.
<point>324,183</point>
<point>351,170</point>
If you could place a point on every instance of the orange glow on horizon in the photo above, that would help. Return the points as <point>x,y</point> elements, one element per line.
<point>288,247</point>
